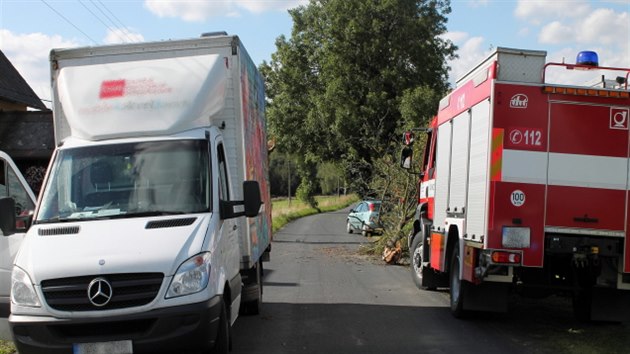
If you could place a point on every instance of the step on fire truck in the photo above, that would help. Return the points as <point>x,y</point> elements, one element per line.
<point>524,188</point>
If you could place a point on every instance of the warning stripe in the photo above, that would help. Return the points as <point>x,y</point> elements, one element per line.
<point>497,154</point>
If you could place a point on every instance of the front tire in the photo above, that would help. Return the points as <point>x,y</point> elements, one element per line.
<point>458,287</point>
<point>420,274</point>
<point>222,341</point>
<point>348,227</point>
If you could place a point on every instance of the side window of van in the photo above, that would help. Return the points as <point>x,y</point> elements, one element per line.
<point>11,186</point>
<point>224,190</point>
<point>23,203</point>
<point>3,180</point>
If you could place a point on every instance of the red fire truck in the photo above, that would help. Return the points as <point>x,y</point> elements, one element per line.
<point>524,187</point>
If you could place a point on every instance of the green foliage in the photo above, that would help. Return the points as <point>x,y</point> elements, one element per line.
<point>330,178</point>
<point>306,192</point>
<point>418,105</point>
<point>7,347</point>
<point>282,168</point>
<point>341,88</point>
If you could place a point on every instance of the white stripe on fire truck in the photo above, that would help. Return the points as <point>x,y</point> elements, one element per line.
<point>565,169</point>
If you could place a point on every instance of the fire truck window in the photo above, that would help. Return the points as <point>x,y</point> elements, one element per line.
<point>427,150</point>
<point>432,159</point>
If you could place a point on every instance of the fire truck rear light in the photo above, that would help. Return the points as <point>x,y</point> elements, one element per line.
<point>506,257</point>
<point>515,237</point>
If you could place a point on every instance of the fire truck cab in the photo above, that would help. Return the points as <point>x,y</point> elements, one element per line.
<point>524,187</point>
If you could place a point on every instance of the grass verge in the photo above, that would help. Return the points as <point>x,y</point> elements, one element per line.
<point>6,347</point>
<point>282,213</point>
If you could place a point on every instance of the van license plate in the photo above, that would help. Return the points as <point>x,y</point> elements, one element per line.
<point>118,347</point>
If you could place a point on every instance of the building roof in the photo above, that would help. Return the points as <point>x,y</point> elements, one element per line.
<point>13,87</point>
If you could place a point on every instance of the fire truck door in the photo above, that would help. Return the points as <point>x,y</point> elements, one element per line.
<point>587,168</point>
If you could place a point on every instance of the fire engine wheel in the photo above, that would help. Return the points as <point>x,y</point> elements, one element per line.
<point>419,272</point>
<point>458,287</point>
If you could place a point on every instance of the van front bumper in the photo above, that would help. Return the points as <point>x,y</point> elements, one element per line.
<point>167,330</point>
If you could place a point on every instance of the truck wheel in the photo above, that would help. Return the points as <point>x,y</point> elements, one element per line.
<point>348,227</point>
<point>420,274</point>
<point>253,290</point>
<point>458,287</point>
<point>222,341</point>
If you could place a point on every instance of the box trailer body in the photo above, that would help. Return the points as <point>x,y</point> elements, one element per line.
<point>139,242</point>
<point>525,186</point>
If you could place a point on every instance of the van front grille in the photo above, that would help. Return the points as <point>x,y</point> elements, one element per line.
<point>102,292</point>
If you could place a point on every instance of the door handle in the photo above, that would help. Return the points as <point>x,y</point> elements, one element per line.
<point>234,227</point>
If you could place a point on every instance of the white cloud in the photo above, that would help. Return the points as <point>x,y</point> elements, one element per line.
<point>602,29</point>
<point>478,3</point>
<point>535,11</point>
<point>29,55</point>
<point>606,27</point>
<point>122,36</point>
<point>470,51</point>
<point>556,33</point>
<point>523,32</point>
<point>195,10</point>
<point>456,37</point>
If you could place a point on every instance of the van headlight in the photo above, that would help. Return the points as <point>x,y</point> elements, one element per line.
<point>22,290</point>
<point>191,277</point>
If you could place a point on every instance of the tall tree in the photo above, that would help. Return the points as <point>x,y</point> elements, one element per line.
<point>336,87</point>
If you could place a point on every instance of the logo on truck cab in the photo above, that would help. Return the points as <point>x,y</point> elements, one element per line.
<point>519,101</point>
<point>618,118</point>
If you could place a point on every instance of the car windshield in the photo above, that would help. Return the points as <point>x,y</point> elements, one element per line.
<point>127,180</point>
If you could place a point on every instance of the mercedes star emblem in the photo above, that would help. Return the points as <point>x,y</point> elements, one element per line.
<point>100,292</point>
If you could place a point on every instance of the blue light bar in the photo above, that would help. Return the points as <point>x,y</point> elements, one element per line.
<point>587,57</point>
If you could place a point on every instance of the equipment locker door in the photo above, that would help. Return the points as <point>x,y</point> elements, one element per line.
<point>588,169</point>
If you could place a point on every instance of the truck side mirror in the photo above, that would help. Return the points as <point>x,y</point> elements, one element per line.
<point>251,193</point>
<point>7,216</point>
<point>250,204</point>
<point>406,158</point>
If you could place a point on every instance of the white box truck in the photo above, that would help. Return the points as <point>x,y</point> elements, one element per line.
<point>155,214</point>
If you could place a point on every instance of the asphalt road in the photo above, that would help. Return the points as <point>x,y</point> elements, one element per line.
<point>322,296</point>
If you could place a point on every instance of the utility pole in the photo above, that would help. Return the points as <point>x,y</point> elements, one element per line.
<point>289,185</point>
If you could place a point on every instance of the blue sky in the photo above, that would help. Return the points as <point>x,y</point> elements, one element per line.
<point>30,28</point>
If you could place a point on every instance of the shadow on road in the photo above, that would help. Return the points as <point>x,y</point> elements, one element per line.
<point>531,326</point>
<point>352,328</point>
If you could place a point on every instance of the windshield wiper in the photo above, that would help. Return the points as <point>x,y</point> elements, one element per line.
<point>139,214</point>
<point>54,220</point>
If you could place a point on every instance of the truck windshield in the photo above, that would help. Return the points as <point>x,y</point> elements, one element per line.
<point>127,180</point>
